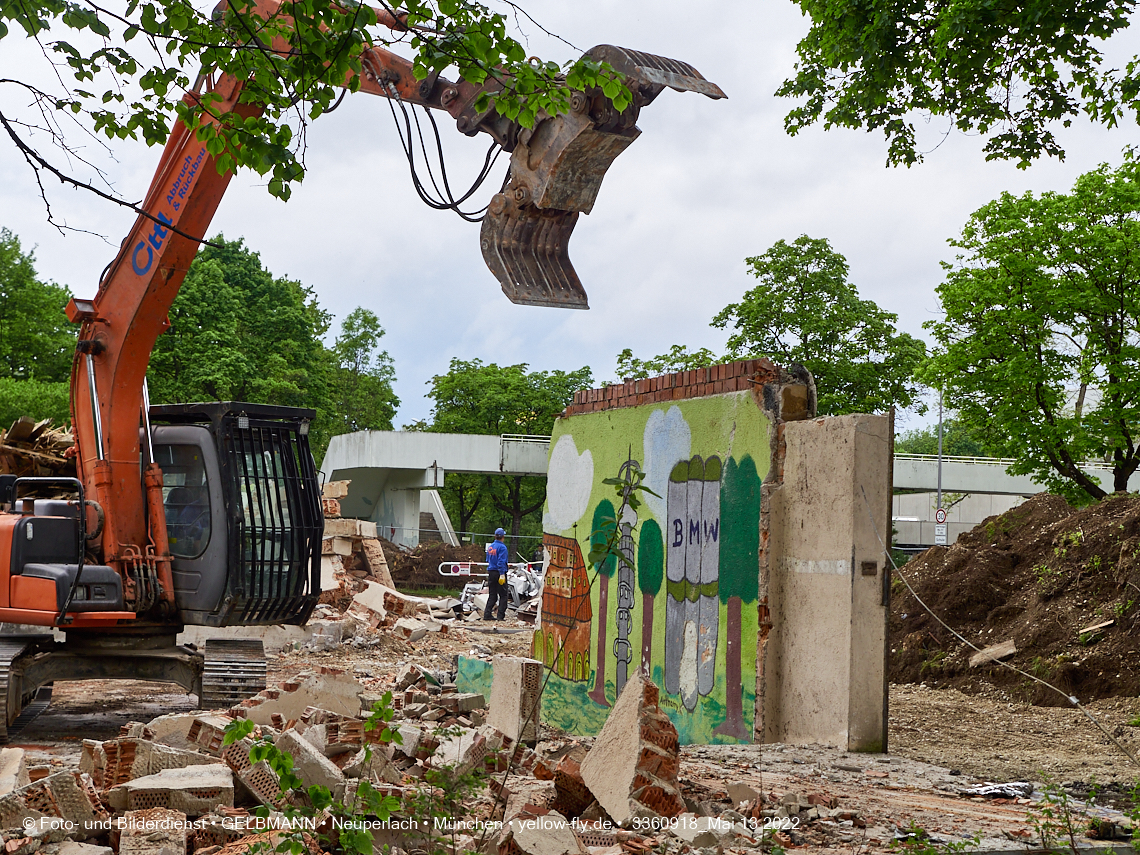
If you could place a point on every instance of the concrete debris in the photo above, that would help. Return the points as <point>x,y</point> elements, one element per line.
<point>350,528</point>
<point>65,795</point>
<point>701,831</point>
<point>262,783</point>
<point>335,489</point>
<point>516,690</point>
<point>72,847</point>
<point>13,771</point>
<point>331,733</point>
<point>309,764</point>
<point>118,761</point>
<point>328,688</point>
<point>572,796</point>
<point>155,831</point>
<point>738,793</point>
<point>377,603</point>
<point>411,629</point>
<point>548,834</point>
<point>635,759</point>
<point>208,732</point>
<point>171,729</point>
<point>193,790</point>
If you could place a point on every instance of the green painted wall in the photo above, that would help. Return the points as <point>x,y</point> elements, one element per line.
<point>686,610</point>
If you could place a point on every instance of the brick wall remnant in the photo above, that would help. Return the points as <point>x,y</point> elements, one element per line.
<point>633,765</point>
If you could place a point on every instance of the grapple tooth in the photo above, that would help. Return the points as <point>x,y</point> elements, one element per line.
<point>527,250</point>
<point>648,68</point>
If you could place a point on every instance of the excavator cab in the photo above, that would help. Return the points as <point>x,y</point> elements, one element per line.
<point>243,512</point>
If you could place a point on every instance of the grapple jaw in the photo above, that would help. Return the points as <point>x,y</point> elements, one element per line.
<point>556,172</point>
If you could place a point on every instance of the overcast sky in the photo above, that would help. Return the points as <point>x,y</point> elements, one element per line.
<point>707,184</point>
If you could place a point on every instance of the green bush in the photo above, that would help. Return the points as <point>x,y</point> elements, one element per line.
<point>33,398</point>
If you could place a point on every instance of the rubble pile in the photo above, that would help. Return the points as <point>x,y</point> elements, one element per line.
<point>31,448</point>
<point>350,551</point>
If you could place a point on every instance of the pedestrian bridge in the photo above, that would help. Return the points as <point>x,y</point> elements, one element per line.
<point>395,474</point>
<point>980,475</point>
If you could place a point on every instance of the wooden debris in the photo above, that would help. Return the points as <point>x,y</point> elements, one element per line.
<point>993,653</point>
<point>31,448</point>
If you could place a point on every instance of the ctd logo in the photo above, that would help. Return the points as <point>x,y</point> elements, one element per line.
<point>151,245</point>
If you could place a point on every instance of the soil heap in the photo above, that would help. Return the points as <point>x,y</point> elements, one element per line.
<point>419,567</point>
<point>1063,584</point>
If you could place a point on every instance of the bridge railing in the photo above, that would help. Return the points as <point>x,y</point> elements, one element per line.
<point>988,461</point>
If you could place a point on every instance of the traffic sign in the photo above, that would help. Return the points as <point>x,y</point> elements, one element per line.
<point>940,515</point>
<point>940,534</point>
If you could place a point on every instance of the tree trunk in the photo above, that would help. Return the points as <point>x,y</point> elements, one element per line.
<point>647,634</point>
<point>733,724</point>
<point>598,693</point>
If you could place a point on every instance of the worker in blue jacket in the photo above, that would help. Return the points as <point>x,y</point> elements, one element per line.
<point>496,576</point>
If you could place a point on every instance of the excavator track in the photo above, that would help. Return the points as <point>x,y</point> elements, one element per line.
<point>234,670</point>
<point>15,714</point>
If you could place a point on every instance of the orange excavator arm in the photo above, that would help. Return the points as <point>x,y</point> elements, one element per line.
<point>556,169</point>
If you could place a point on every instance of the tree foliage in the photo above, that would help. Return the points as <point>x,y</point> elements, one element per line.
<point>362,389</point>
<point>36,341</point>
<point>1040,345</point>
<point>679,358</point>
<point>958,440</point>
<point>1008,71</point>
<point>239,333</point>
<point>35,399</point>
<point>474,397</point>
<point>806,311</point>
<point>122,71</point>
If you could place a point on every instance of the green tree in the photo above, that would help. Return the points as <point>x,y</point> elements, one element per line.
<point>739,576</point>
<point>1007,71</point>
<point>473,397</point>
<point>806,311</point>
<point>679,358</point>
<point>650,574</point>
<point>35,399</point>
<point>36,340</point>
<point>238,333</point>
<point>363,396</point>
<point>958,439</point>
<point>602,530</point>
<point>1040,345</point>
<point>123,72</point>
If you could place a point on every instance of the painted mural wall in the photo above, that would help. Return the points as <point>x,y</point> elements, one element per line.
<point>684,608</point>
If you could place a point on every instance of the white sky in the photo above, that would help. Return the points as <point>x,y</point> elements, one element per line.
<point>707,184</point>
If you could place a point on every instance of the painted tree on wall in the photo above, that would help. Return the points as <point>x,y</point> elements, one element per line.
<point>739,576</point>
<point>602,529</point>
<point>650,574</point>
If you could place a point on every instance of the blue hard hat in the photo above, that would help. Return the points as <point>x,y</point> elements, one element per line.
<point>499,532</point>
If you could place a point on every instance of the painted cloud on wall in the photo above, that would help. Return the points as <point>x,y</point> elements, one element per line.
<point>569,481</point>
<point>667,439</point>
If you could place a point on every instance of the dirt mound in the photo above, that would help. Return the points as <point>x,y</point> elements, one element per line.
<point>419,567</point>
<point>1038,574</point>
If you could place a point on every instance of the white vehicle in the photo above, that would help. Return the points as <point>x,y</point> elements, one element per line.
<point>524,583</point>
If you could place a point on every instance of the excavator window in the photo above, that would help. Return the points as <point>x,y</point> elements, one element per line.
<point>186,497</point>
